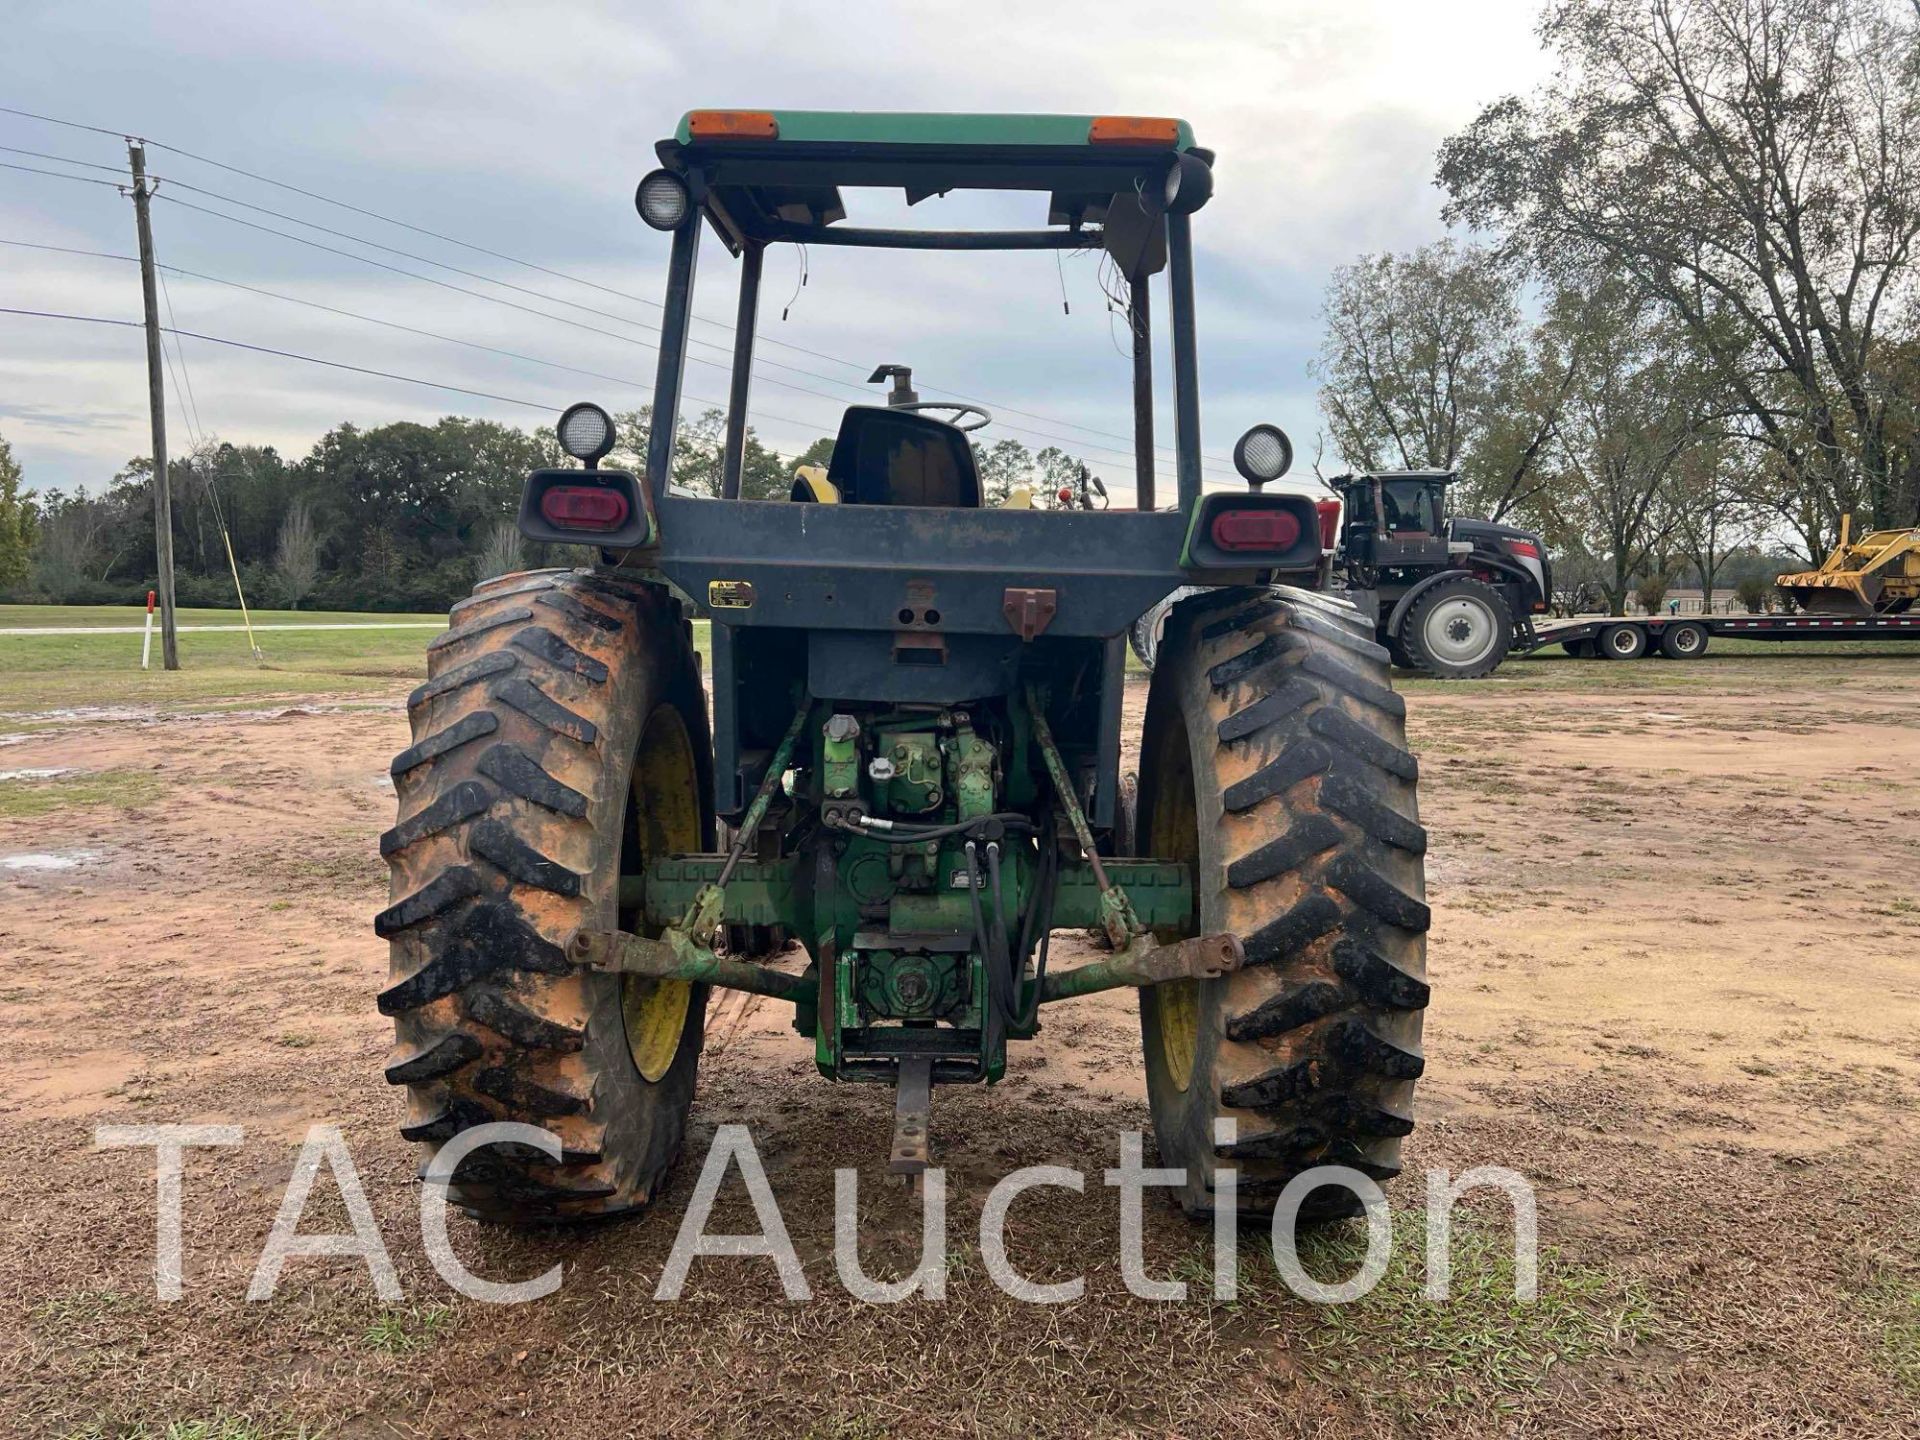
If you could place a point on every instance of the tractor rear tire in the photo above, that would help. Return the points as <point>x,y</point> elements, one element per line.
<point>559,742</point>
<point>1275,764</point>
<point>1458,629</point>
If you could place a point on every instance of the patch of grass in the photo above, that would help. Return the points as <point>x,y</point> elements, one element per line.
<point>65,1316</point>
<point>403,1332</point>
<point>843,1426</point>
<point>26,799</point>
<point>293,1040</point>
<point>222,1427</point>
<point>1479,1348</point>
<point>1893,1303</point>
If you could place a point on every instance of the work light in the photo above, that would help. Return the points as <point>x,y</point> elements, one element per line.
<point>1264,453</point>
<point>586,432</point>
<point>661,200</point>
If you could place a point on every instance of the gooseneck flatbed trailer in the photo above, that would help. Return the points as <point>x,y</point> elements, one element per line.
<point>1686,637</point>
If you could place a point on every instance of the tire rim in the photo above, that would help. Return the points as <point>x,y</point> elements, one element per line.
<point>665,811</point>
<point>1686,640</point>
<point>1174,1006</point>
<point>1623,641</point>
<point>1460,630</point>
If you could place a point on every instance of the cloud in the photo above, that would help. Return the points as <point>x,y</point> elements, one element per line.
<point>523,128</point>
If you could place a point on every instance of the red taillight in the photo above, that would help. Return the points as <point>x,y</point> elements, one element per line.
<point>1256,529</point>
<point>1329,512</point>
<point>1526,549</point>
<point>583,507</point>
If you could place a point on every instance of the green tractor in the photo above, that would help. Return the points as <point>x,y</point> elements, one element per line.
<point>913,765</point>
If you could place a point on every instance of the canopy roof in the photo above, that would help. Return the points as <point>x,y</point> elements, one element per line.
<point>777,174</point>
<point>904,127</point>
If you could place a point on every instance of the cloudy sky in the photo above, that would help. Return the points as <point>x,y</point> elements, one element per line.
<point>521,128</point>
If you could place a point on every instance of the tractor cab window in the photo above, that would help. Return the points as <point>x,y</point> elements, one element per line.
<point>1410,507</point>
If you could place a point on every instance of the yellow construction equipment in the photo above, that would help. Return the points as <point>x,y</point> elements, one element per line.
<point>1878,574</point>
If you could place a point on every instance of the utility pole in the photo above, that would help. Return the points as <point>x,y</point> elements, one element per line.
<point>157,406</point>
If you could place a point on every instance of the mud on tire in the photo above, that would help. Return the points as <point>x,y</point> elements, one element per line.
<point>560,738</point>
<point>1275,762</point>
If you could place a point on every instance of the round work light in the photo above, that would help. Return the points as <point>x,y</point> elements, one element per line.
<point>1264,453</point>
<point>586,432</point>
<point>662,200</point>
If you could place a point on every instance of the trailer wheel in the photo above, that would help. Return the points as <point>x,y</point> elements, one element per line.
<point>1275,763</point>
<point>1685,641</point>
<point>1623,642</point>
<point>1459,629</point>
<point>1578,649</point>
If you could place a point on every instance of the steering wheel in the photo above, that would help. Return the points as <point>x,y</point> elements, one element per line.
<point>959,409</point>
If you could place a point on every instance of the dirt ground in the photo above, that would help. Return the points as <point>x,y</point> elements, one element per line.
<point>1676,968</point>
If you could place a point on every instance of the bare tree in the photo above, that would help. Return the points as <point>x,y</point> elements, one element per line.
<point>1426,366</point>
<point>1754,166</point>
<point>1412,346</point>
<point>1708,507</point>
<point>1634,409</point>
<point>297,554</point>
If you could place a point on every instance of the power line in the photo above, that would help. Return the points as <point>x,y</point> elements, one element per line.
<point>283,354</point>
<point>192,399</point>
<point>1097,451</point>
<point>547,270</point>
<point>629,380</point>
<point>58,174</point>
<point>594,285</point>
<point>70,124</point>
<point>65,160</point>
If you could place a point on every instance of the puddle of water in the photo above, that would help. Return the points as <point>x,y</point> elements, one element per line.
<point>45,772</point>
<point>67,861</point>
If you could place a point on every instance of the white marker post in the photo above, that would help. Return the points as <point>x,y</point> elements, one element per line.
<point>146,640</point>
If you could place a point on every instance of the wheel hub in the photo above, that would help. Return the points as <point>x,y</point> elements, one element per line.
<point>1460,631</point>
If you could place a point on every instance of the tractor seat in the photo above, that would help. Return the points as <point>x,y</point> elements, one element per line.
<point>886,456</point>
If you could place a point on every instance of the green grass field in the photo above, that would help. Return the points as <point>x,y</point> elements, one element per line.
<point>50,671</point>
<point>45,672</point>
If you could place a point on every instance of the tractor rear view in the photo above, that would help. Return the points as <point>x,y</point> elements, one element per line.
<point>915,743</point>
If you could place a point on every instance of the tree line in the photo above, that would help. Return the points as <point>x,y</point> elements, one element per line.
<point>1679,335</point>
<point>396,517</point>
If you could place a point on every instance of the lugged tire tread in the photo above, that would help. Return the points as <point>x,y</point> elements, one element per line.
<point>563,657</point>
<point>512,769</point>
<point>1292,765</point>
<point>464,801</point>
<point>1346,790</point>
<point>534,703</point>
<point>495,843</point>
<point>461,676</point>
<point>444,1056</point>
<point>471,726</point>
<point>490,620</point>
<point>1352,682</point>
<point>1307,837</point>
<point>491,1017</point>
<point>574,609</point>
<point>1342,730</point>
<point>1322,840</point>
<point>1271,708</point>
<point>500,1013</point>
<point>443,892</point>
